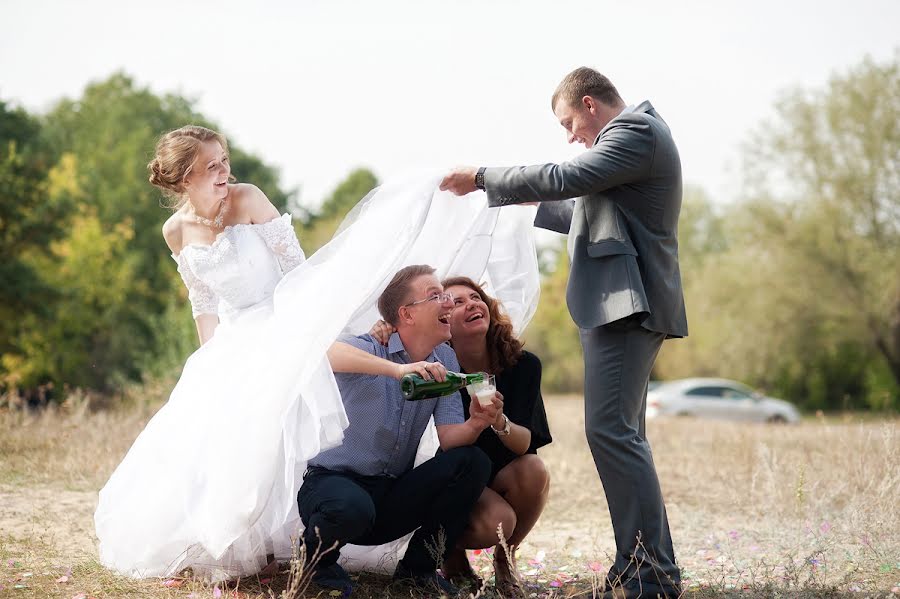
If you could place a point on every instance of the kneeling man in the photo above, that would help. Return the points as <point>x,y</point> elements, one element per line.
<point>366,491</point>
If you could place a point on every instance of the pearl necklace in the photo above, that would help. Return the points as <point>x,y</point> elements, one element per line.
<point>217,220</point>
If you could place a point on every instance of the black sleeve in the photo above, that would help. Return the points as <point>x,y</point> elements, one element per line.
<point>540,428</point>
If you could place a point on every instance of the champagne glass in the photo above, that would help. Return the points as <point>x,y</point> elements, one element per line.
<point>485,390</point>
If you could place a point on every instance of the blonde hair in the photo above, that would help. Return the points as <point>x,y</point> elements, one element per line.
<point>176,152</point>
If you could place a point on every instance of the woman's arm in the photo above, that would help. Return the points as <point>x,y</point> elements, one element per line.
<point>519,438</point>
<point>458,435</point>
<point>206,326</point>
<point>204,302</point>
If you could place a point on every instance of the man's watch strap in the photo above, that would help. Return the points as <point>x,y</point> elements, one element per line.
<point>505,430</point>
<point>479,178</point>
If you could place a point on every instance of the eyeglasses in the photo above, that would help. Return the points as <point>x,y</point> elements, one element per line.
<point>441,298</point>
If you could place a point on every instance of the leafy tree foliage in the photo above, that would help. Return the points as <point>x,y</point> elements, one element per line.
<point>804,298</point>
<point>795,289</point>
<point>320,226</point>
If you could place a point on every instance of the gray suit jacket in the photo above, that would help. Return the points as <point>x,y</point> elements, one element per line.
<point>623,225</point>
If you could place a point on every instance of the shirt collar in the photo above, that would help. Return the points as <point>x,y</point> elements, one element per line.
<point>395,346</point>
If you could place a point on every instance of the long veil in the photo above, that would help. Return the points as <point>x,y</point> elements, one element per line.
<point>220,497</point>
<point>415,223</point>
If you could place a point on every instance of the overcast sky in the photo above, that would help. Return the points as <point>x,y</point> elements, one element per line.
<point>317,88</point>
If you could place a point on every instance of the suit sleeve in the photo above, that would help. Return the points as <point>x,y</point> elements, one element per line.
<point>622,156</point>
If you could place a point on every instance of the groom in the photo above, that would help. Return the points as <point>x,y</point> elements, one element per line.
<point>624,293</point>
<point>366,491</point>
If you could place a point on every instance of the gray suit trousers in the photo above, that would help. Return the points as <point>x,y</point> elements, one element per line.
<point>618,358</point>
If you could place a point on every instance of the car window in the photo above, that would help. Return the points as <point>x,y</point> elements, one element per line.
<point>707,392</point>
<point>732,393</point>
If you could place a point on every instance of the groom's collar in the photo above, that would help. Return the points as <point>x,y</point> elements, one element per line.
<point>644,107</point>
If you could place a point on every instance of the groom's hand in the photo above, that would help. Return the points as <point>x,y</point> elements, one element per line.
<point>460,180</point>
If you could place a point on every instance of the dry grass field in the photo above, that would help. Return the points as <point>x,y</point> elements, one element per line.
<point>810,510</point>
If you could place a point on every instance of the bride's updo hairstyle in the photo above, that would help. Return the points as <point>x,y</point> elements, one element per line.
<point>176,152</point>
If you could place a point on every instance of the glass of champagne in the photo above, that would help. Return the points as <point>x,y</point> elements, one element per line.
<point>485,390</point>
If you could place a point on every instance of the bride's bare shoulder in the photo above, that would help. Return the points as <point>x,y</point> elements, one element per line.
<point>172,231</point>
<point>252,203</point>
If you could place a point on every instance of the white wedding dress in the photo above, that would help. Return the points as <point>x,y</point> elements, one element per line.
<point>211,482</point>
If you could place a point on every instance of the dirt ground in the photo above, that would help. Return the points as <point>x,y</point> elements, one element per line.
<point>812,504</point>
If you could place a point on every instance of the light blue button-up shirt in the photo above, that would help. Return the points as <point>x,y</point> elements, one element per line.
<point>385,429</point>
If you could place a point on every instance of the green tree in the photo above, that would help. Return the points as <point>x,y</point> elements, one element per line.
<point>107,276</point>
<point>827,174</point>
<point>30,219</point>
<point>553,336</point>
<point>804,297</point>
<point>321,225</point>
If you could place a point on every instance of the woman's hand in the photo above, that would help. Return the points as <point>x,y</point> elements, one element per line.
<point>426,370</point>
<point>382,332</point>
<point>488,414</point>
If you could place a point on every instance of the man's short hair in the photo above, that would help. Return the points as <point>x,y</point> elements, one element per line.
<point>582,82</point>
<point>397,292</point>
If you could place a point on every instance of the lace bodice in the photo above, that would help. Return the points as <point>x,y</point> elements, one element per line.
<point>240,268</point>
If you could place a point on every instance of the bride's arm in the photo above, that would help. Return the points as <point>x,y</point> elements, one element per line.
<point>276,231</point>
<point>204,301</point>
<point>206,326</point>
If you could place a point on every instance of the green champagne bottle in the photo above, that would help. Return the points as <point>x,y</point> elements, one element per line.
<point>414,387</point>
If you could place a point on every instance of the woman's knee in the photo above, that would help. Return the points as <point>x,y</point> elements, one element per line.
<point>526,474</point>
<point>535,472</point>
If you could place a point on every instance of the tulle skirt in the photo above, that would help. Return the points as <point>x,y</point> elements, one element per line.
<point>211,482</point>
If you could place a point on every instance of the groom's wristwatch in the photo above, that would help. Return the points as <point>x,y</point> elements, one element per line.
<point>479,178</point>
<point>505,430</point>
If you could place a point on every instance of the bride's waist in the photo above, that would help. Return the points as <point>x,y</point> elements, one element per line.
<point>230,313</point>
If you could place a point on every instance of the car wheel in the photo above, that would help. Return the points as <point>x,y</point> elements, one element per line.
<point>776,419</point>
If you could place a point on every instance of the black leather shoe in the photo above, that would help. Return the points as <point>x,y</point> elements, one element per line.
<point>333,577</point>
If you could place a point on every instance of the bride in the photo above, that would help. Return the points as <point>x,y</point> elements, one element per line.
<point>211,482</point>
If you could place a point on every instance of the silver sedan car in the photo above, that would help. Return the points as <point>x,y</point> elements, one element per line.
<point>717,398</point>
